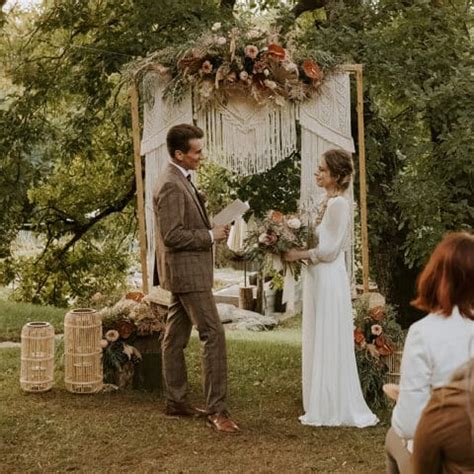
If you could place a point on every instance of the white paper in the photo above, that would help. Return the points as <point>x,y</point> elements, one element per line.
<point>231,213</point>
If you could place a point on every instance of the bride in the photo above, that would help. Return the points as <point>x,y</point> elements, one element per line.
<point>332,395</point>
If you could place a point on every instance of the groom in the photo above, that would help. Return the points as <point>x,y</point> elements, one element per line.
<point>184,239</point>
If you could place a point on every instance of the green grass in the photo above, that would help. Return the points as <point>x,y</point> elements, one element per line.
<point>126,431</point>
<point>14,315</point>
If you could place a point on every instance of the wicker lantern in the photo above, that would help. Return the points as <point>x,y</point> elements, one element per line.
<point>82,351</point>
<point>37,357</point>
<point>393,362</point>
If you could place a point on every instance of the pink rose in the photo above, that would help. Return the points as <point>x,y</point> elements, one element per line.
<point>206,67</point>
<point>251,51</point>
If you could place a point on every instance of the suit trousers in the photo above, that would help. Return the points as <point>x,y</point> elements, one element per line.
<point>186,309</point>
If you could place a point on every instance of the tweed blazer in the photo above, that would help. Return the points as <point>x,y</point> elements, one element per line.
<point>182,239</point>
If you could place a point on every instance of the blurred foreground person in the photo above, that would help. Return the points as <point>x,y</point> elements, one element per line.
<point>444,437</point>
<point>437,344</point>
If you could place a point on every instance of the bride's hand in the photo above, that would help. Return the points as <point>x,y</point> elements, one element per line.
<point>292,255</point>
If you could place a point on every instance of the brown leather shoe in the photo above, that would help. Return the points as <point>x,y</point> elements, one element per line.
<point>185,410</point>
<point>222,423</point>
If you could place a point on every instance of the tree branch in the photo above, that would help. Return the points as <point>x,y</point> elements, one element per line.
<point>308,5</point>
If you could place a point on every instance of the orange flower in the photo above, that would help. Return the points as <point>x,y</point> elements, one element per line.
<point>377,313</point>
<point>359,337</point>
<point>312,70</point>
<point>125,329</point>
<point>276,217</point>
<point>276,51</point>
<point>135,296</point>
<point>383,345</point>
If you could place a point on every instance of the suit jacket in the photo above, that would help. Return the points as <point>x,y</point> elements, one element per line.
<point>182,239</point>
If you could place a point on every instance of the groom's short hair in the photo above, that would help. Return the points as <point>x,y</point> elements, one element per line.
<point>179,136</point>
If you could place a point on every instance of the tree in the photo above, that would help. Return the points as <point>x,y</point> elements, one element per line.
<point>67,149</point>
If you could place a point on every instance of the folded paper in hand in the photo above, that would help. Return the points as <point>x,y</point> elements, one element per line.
<point>231,213</point>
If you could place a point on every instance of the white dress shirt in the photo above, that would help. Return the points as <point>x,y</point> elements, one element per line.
<point>435,347</point>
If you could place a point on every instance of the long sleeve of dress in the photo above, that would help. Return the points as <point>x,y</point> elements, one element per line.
<point>332,232</point>
<point>415,387</point>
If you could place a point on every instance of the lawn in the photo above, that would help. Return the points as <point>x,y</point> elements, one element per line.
<point>127,432</point>
<point>14,315</point>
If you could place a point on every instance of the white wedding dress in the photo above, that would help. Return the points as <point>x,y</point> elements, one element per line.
<point>332,395</point>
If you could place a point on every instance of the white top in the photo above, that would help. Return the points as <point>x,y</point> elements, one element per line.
<point>435,347</point>
<point>333,232</point>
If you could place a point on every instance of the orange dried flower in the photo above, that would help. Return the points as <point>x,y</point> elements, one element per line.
<point>276,51</point>
<point>276,217</point>
<point>125,329</point>
<point>377,313</point>
<point>135,296</point>
<point>312,70</point>
<point>359,337</point>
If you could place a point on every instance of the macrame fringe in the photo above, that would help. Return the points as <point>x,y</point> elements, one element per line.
<point>249,139</point>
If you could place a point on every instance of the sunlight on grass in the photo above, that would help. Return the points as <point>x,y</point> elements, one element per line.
<point>126,431</point>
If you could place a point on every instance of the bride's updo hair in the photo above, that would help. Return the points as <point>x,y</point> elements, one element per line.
<point>339,163</point>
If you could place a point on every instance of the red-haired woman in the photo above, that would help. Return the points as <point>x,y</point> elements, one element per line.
<point>437,344</point>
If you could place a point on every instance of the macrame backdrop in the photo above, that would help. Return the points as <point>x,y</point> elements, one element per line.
<point>249,138</point>
<point>245,137</point>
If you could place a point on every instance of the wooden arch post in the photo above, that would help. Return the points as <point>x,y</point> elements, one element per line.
<point>357,69</point>
<point>133,94</point>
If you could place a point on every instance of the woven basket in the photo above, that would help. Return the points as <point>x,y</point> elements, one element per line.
<point>82,351</point>
<point>393,362</point>
<point>37,357</point>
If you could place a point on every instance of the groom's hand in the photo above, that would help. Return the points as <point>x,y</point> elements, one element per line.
<point>220,232</point>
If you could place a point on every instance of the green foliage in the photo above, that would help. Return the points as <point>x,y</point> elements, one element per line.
<point>66,149</point>
<point>277,188</point>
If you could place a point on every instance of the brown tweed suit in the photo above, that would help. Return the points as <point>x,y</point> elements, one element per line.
<point>185,267</point>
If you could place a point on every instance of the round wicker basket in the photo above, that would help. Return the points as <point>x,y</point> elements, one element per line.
<point>82,351</point>
<point>37,357</point>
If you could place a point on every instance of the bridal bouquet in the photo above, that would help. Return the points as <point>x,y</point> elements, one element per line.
<point>273,236</point>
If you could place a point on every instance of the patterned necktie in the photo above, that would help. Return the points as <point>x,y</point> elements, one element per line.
<point>198,194</point>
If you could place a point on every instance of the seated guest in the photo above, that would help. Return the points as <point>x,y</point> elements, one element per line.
<point>437,344</point>
<point>444,437</point>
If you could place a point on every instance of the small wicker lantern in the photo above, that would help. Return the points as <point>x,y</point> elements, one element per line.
<point>393,362</point>
<point>82,351</point>
<point>37,357</point>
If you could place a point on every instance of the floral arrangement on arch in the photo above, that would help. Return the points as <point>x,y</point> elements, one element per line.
<point>232,59</point>
<point>130,317</point>
<point>274,235</point>
<point>376,336</point>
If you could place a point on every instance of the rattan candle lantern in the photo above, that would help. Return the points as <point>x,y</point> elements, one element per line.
<point>37,357</point>
<point>82,351</point>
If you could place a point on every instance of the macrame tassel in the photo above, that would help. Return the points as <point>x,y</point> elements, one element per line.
<point>155,163</point>
<point>248,138</point>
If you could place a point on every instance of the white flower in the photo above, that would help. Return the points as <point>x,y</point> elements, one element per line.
<point>243,75</point>
<point>266,72</point>
<point>112,335</point>
<point>221,41</point>
<point>294,223</point>
<point>262,238</point>
<point>270,84</point>
<point>104,343</point>
<point>216,26</point>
